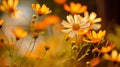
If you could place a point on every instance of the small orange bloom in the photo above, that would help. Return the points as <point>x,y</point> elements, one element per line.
<point>95,37</point>
<point>19,33</point>
<point>115,56</point>
<point>60,1</point>
<point>105,49</point>
<point>10,6</point>
<point>40,25</point>
<point>41,9</point>
<point>50,20</point>
<point>1,22</point>
<point>75,8</point>
<point>95,61</point>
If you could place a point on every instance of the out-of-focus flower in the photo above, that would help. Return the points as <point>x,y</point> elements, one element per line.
<point>50,20</point>
<point>93,20</point>
<point>45,22</point>
<point>19,33</point>
<point>33,55</point>
<point>105,49</point>
<point>94,61</point>
<point>95,37</point>
<point>10,7</point>
<point>41,9</point>
<point>75,8</point>
<point>115,56</point>
<point>1,22</point>
<point>75,26</point>
<point>60,1</point>
<point>40,25</point>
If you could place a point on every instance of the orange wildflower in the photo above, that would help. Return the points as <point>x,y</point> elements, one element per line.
<point>1,22</point>
<point>105,49</point>
<point>40,25</point>
<point>95,37</point>
<point>60,1</point>
<point>19,33</point>
<point>10,6</point>
<point>75,8</point>
<point>50,20</point>
<point>41,9</point>
<point>115,56</point>
<point>95,61</point>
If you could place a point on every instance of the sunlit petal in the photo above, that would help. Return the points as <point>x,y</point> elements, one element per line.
<point>114,54</point>
<point>70,19</point>
<point>92,16</point>
<point>97,20</point>
<point>67,30</point>
<point>66,24</point>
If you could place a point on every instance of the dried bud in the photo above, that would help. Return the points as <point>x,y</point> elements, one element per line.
<point>34,16</point>
<point>35,35</point>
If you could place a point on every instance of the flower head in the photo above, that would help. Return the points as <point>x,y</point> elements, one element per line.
<point>115,56</point>
<point>41,9</point>
<point>19,33</point>
<point>59,1</point>
<point>40,25</point>
<point>94,61</point>
<point>95,37</point>
<point>75,8</point>
<point>75,26</point>
<point>105,49</point>
<point>51,19</point>
<point>93,20</point>
<point>10,6</point>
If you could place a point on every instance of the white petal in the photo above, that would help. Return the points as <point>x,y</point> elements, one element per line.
<point>66,24</point>
<point>70,19</point>
<point>96,26</point>
<point>86,14</point>
<point>97,20</point>
<point>67,30</point>
<point>92,16</point>
<point>72,34</point>
<point>85,25</point>
<point>77,18</point>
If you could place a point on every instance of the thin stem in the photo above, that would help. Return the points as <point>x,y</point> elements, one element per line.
<point>24,59</point>
<point>86,53</point>
<point>42,57</point>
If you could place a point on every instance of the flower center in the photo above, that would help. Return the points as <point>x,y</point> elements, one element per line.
<point>11,10</point>
<point>76,26</point>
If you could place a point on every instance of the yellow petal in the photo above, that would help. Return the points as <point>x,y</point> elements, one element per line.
<point>4,3</point>
<point>15,3</point>
<point>107,57</point>
<point>1,21</point>
<point>37,7</point>
<point>118,57</point>
<point>92,16</point>
<point>2,8</point>
<point>10,3</point>
<point>94,34</point>
<point>100,34</point>
<point>114,55</point>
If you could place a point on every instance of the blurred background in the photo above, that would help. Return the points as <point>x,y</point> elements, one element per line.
<point>108,10</point>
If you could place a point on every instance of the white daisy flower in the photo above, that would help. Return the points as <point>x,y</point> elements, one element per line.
<point>93,20</point>
<point>76,25</point>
